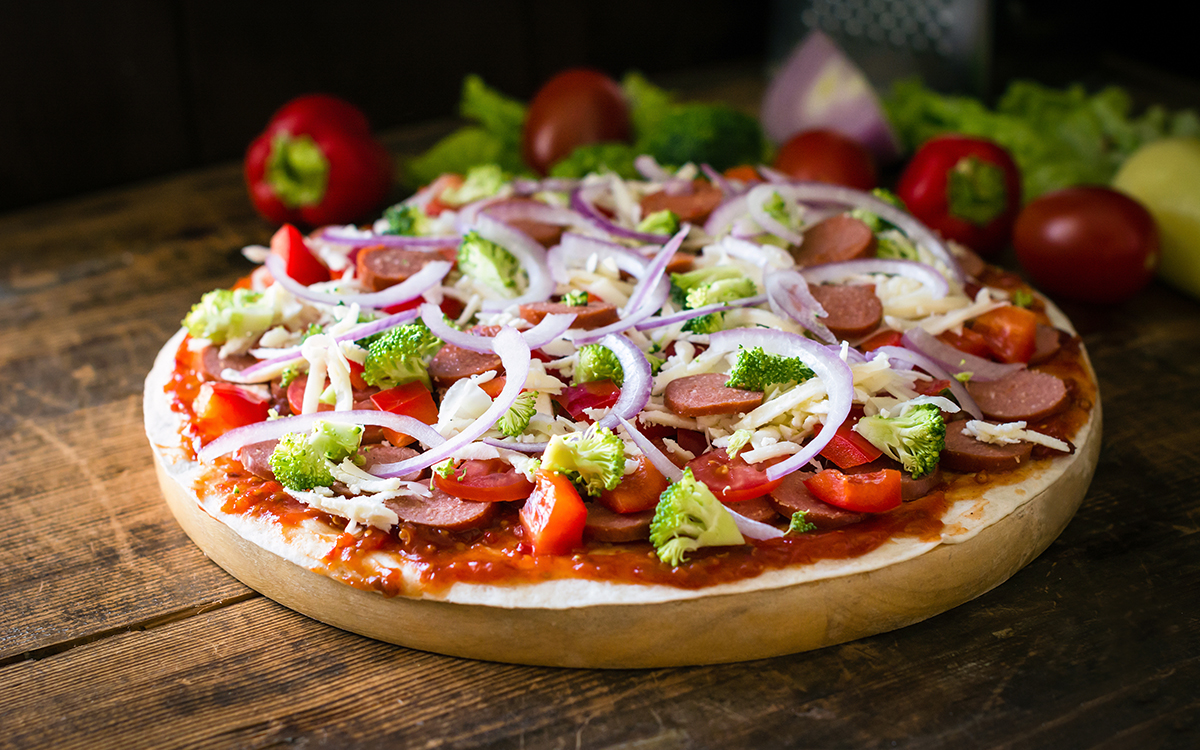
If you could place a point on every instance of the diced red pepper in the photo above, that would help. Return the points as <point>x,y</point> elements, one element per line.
<point>221,407</point>
<point>493,386</point>
<point>412,400</point>
<point>968,341</point>
<point>302,266</point>
<point>931,388</point>
<point>554,516</point>
<point>883,338</point>
<point>873,492</point>
<point>402,306</point>
<point>637,491</point>
<point>598,394</point>
<point>848,448</point>
<point>1010,332</point>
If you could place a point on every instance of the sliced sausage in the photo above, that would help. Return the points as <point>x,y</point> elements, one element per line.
<point>681,262</point>
<point>756,509</point>
<point>833,240</point>
<point>256,458</point>
<point>1024,395</point>
<point>966,454</point>
<point>853,310</point>
<point>791,496</point>
<point>443,510</point>
<point>603,525</point>
<point>212,364</point>
<point>546,235</point>
<point>704,395</point>
<point>451,364</point>
<point>910,488</point>
<point>389,454</point>
<point>381,267</point>
<point>592,315</point>
<point>1046,344</point>
<point>693,206</point>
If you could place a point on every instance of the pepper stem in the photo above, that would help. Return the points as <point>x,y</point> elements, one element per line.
<point>297,170</point>
<point>976,190</point>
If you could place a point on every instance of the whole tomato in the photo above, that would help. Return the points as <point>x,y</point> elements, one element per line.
<point>827,156</point>
<point>317,163</point>
<point>967,189</point>
<point>1087,243</point>
<point>574,108</point>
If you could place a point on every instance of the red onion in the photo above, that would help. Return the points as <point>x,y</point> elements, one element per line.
<point>648,167</point>
<point>725,215</point>
<point>516,445</point>
<point>582,201</point>
<point>679,317</point>
<point>543,213</point>
<point>635,390</point>
<point>718,179</point>
<point>789,296</point>
<point>353,237</point>
<point>929,277</point>
<point>753,529</point>
<point>755,201</point>
<point>835,375</point>
<point>412,287</point>
<point>514,356</point>
<point>575,250</point>
<point>819,87</point>
<point>551,327</point>
<point>919,340</point>
<point>276,428</point>
<point>656,457</point>
<point>529,254</point>
<point>933,368</point>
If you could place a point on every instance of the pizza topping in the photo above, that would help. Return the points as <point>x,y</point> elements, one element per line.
<point>915,436</point>
<point>873,492</point>
<point>230,314</point>
<point>688,516</point>
<point>594,459</point>
<point>554,516</point>
<point>1023,396</point>
<point>302,461</point>
<point>1009,433</point>
<point>852,310</point>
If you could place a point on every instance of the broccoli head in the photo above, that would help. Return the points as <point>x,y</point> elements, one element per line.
<point>597,157</point>
<point>660,222</point>
<point>482,181</point>
<point>709,286</point>
<point>713,134</point>
<point>224,314</point>
<point>516,419</point>
<point>891,243</point>
<point>489,264</point>
<point>593,460</point>
<point>302,461</point>
<point>800,523</point>
<point>915,438</point>
<point>755,370</point>
<point>597,362</point>
<point>688,517</point>
<point>575,298</point>
<point>400,355</point>
<point>408,220</point>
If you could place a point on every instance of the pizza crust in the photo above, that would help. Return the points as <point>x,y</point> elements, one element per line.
<point>988,536</point>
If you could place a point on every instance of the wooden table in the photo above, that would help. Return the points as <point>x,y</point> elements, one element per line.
<point>117,631</point>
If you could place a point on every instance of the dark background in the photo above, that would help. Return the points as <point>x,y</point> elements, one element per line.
<point>100,94</point>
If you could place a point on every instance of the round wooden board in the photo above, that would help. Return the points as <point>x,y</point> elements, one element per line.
<point>704,629</point>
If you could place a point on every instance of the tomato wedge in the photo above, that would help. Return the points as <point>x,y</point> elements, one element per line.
<point>637,491</point>
<point>597,394</point>
<point>302,266</point>
<point>554,516</point>
<point>849,449</point>
<point>485,480</point>
<point>412,400</point>
<point>1010,332</point>
<point>732,480</point>
<point>221,407</point>
<point>873,492</point>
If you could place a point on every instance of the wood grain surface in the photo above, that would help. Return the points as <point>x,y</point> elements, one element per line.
<point>118,632</point>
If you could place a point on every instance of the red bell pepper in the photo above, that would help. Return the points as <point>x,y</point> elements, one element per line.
<point>597,394</point>
<point>637,491</point>
<point>1010,332</point>
<point>873,492</point>
<point>412,400</point>
<point>967,189</point>
<point>221,407</point>
<point>317,163</point>
<point>554,516</point>
<point>302,266</point>
<point>849,449</point>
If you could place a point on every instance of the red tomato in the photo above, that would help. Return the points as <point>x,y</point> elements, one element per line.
<point>873,492</point>
<point>1010,332</point>
<point>302,266</point>
<point>744,173</point>
<point>574,108</point>
<point>827,156</point>
<point>968,341</point>
<point>967,189</point>
<point>1087,243</point>
<point>732,479</point>
<point>485,481</point>
<point>553,517</point>
<point>411,399</point>
<point>637,491</point>
<point>221,407</point>
<point>597,394</point>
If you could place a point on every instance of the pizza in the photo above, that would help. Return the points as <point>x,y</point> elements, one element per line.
<point>676,420</point>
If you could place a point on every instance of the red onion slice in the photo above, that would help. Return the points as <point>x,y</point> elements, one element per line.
<point>933,368</point>
<point>353,237</point>
<point>548,329</point>
<point>753,529</point>
<point>648,167</point>
<point>788,295</point>
<point>529,254</point>
<point>679,317</point>
<point>635,391</point>
<point>543,213</point>
<point>725,215</point>
<point>929,276</point>
<point>514,356</point>
<point>835,375</point>
<point>411,288</point>
<point>582,200</point>
<point>516,445</point>
<point>277,428</point>
<point>657,298</point>
<point>718,179</point>
<point>576,249</point>
<point>657,458</point>
<point>919,340</point>
<point>755,202</point>
<point>654,272</point>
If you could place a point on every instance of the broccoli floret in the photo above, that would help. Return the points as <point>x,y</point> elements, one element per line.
<point>575,298</point>
<point>593,460</point>
<point>400,355</point>
<point>290,373</point>
<point>682,283</point>
<point>302,461</point>
<point>596,362</point>
<point>656,363</point>
<point>800,523</point>
<point>597,157</point>
<point>224,314</point>
<point>915,438</point>
<point>755,370</point>
<point>481,182</point>
<point>489,264</point>
<point>779,210</point>
<point>1022,298</point>
<point>713,134</point>
<point>516,419</point>
<point>689,516</point>
<point>408,220</point>
<point>660,222</point>
<point>737,441</point>
<point>709,286</point>
<point>891,243</point>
